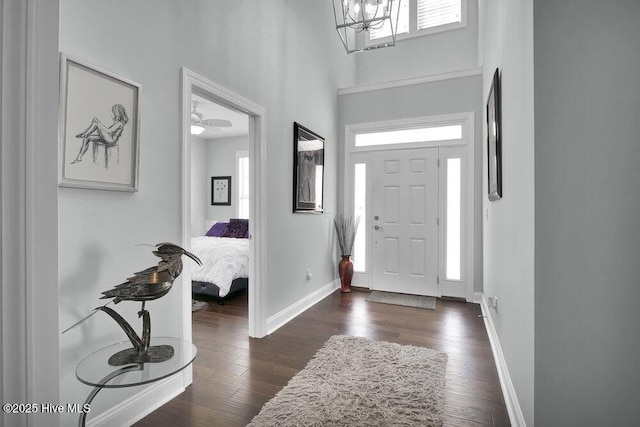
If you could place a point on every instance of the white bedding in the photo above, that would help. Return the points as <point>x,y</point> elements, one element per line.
<point>223,259</point>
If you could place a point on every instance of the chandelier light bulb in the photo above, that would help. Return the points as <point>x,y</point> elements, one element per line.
<point>370,9</point>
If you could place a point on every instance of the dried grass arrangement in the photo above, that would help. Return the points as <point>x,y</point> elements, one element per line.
<point>346,229</point>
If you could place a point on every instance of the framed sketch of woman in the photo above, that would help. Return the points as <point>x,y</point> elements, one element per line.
<point>99,128</point>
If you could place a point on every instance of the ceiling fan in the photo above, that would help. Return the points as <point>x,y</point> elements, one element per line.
<point>198,125</point>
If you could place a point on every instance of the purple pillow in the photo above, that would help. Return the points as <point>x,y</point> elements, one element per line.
<point>238,228</point>
<point>217,229</point>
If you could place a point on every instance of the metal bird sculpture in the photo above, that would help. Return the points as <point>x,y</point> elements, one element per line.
<point>154,282</point>
<point>146,285</point>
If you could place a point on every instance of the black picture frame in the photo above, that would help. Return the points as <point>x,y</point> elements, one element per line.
<point>494,139</point>
<point>308,170</point>
<point>221,191</point>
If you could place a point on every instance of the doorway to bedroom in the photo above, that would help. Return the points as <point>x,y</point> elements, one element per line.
<point>220,202</point>
<point>223,204</point>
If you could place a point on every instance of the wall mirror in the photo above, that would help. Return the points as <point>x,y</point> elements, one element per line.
<point>308,170</point>
<point>494,139</point>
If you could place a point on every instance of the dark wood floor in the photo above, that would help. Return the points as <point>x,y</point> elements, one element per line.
<point>235,375</point>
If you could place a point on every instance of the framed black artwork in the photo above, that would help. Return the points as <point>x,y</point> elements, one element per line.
<point>221,190</point>
<point>494,139</point>
<point>308,170</point>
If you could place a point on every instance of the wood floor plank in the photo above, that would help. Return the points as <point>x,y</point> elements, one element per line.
<point>234,375</point>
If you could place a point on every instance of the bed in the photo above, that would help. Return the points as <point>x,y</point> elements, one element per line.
<point>224,252</point>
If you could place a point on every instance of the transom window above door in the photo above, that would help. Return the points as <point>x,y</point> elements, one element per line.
<point>407,136</point>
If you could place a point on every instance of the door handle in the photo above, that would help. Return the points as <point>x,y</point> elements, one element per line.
<point>377,227</point>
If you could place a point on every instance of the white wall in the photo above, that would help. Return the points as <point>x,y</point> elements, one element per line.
<point>221,155</point>
<point>283,55</point>
<point>587,92</point>
<point>423,56</point>
<point>508,232</point>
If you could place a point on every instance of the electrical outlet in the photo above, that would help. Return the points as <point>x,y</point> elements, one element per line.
<point>493,303</point>
<point>309,275</point>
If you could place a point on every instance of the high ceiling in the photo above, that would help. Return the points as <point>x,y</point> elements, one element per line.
<point>209,110</point>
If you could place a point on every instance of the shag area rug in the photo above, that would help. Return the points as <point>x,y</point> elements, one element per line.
<point>354,381</point>
<point>402,299</point>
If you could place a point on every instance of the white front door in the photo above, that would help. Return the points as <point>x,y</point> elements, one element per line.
<point>404,219</point>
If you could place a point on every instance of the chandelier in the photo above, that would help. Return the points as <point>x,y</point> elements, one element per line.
<point>366,24</point>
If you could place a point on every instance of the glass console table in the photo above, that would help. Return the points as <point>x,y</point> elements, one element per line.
<point>94,370</point>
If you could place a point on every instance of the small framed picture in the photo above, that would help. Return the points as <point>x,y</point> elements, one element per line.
<point>99,129</point>
<point>221,190</point>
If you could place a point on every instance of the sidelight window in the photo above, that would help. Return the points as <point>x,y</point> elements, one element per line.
<point>454,224</point>
<point>360,210</point>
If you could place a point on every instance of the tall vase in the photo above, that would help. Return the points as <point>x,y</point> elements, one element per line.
<point>345,270</point>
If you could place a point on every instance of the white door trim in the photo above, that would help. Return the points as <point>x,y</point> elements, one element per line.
<point>467,119</point>
<point>30,368</point>
<point>257,159</point>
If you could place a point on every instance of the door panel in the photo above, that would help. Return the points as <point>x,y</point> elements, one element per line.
<point>391,258</point>
<point>416,262</point>
<point>405,235</point>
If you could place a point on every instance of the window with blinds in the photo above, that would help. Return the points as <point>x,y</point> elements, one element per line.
<point>433,13</point>
<point>418,17</point>
<point>403,21</point>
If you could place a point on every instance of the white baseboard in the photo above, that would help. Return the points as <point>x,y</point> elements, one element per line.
<point>279,319</point>
<point>508,391</point>
<point>142,404</point>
